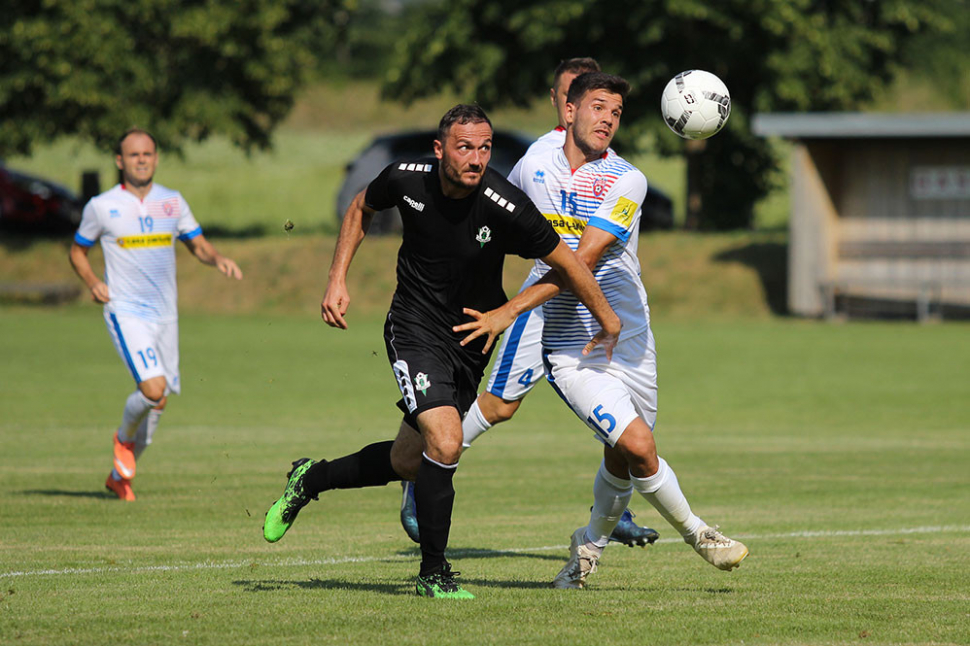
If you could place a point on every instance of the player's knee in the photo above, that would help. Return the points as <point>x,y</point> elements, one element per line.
<point>505,411</point>
<point>445,451</point>
<point>154,390</point>
<point>637,446</point>
<point>496,410</point>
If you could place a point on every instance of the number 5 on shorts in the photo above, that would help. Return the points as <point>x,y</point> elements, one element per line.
<point>602,418</point>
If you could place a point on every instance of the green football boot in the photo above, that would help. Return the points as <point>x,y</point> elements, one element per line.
<point>283,512</point>
<point>442,585</point>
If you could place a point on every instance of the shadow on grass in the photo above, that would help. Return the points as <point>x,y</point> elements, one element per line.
<point>481,553</point>
<point>69,494</point>
<point>406,588</point>
<point>770,260</point>
<point>402,588</point>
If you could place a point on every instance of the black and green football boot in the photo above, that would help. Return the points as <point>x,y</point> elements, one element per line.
<point>283,512</point>
<point>442,585</point>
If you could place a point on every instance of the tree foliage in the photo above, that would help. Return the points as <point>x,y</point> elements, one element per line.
<point>780,55</point>
<point>183,69</point>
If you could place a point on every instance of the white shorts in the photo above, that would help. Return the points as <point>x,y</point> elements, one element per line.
<point>148,349</point>
<point>607,396</point>
<point>518,363</point>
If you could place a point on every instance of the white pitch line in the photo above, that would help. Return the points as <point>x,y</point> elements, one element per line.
<point>457,553</point>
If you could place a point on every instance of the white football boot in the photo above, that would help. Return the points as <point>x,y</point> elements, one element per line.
<point>717,549</point>
<point>582,562</point>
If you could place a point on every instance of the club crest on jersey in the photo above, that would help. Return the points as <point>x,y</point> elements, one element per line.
<point>422,382</point>
<point>484,235</point>
<point>540,177</point>
<point>599,187</point>
<point>167,208</point>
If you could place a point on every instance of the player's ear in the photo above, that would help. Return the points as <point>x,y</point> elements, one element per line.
<point>118,162</point>
<point>438,149</point>
<point>570,113</point>
<point>552,96</point>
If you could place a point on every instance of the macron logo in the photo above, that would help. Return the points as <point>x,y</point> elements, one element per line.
<point>417,206</point>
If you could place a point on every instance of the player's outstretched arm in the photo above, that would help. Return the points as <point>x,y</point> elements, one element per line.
<point>575,272</point>
<point>336,299</point>
<point>569,271</point>
<point>207,255</point>
<point>82,267</point>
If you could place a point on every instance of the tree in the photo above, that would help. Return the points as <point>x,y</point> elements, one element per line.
<point>183,69</point>
<point>795,55</point>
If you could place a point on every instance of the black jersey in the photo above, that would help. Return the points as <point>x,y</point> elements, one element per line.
<point>453,250</point>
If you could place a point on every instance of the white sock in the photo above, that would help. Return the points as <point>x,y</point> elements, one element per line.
<point>136,407</point>
<point>473,425</point>
<point>146,430</point>
<point>663,492</point>
<point>611,495</point>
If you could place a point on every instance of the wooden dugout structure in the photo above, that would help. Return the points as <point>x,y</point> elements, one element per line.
<point>880,210</point>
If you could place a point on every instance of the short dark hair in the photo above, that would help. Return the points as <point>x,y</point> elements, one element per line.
<point>462,114</point>
<point>576,66</point>
<point>596,81</point>
<point>134,131</point>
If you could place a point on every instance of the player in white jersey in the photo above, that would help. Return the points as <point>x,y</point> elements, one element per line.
<point>138,223</point>
<point>598,198</point>
<point>518,363</point>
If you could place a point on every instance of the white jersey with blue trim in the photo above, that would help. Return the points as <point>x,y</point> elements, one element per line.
<point>138,240</point>
<point>553,139</point>
<point>608,194</point>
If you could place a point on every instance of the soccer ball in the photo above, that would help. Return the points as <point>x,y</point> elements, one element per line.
<point>695,104</point>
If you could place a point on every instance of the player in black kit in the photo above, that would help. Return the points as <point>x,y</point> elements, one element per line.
<point>460,220</point>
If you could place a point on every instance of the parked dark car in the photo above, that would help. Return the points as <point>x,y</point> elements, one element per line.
<point>32,204</point>
<point>507,148</point>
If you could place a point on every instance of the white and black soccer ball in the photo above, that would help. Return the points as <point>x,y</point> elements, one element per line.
<point>695,104</point>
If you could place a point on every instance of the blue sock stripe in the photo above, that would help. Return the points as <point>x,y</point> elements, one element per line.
<point>124,348</point>
<point>508,357</point>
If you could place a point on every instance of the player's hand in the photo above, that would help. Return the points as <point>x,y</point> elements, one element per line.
<point>334,306</point>
<point>99,293</point>
<point>228,267</point>
<point>606,339</point>
<point>492,323</point>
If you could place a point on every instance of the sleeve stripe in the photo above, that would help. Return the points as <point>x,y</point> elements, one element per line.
<point>81,240</point>
<point>610,227</point>
<point>197,231</point>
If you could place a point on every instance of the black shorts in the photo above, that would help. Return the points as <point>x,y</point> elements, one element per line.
<point>431,368</point>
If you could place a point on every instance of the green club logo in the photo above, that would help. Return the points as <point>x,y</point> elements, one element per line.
<point>484,235</point>
<point>422,383</point>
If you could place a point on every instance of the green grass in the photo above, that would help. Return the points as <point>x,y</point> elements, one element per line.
<point>776,428</point>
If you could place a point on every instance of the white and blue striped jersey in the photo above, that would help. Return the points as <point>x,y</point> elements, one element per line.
<point>555,138</point>
<point>138,240</point>
<point>608,194</point>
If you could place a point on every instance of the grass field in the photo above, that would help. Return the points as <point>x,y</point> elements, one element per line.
<point>838,453</point>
